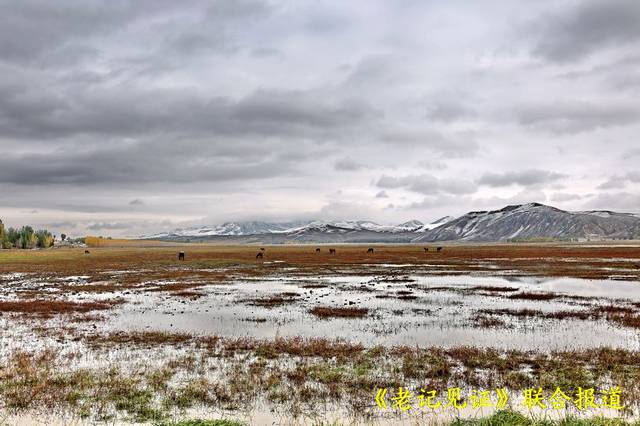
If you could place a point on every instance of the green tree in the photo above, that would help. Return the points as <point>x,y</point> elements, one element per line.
<point>27,239</point>
<point>12,237</point>
<point>44,238</point>
<point>4,242</point>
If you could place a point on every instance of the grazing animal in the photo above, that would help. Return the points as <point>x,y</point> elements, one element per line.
<point>439,249</point>
<point>332,251</point>
<point>426,249</point>
<point>259,256</point>
<point>261,248</point>
<point>370,250</point>
<point>181,255</point>
<point>318,250</point>
<point>86,252</point>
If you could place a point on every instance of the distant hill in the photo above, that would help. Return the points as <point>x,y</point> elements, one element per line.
<point>521,222</point>
<point>536,221</point>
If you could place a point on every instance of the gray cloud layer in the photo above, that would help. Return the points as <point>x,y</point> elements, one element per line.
<point>128,116</point>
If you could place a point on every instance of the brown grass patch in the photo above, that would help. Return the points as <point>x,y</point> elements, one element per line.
<point>485,321</point>
<point>188,294</point>
<point>147,338</point>
<point>331,312</point>
<point>511,312</point>
<point>626,319</point>
<point>533,296</point>
<point>48,307</point>
<point>314,286</point>
<point>295,346</point>
<point>275,300</point>
<point>494,289</point>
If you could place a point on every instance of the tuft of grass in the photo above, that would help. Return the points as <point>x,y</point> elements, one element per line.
<point>200,422</point>
<point>533,296</point>
<point>331,312</point>
<point>512,418</point>
<point>48,307</point>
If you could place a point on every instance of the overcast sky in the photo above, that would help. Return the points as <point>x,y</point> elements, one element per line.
<point>129,117</point>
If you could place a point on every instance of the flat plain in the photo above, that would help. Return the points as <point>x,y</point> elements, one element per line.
<point>129,333</point>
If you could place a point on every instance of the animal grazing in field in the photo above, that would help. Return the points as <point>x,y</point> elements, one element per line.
<point>426,249</point>
<point>370,250</point>
<point>439,249</point>
<point>86,252</point>
<point>181,255</point>
<point>259,256</point>
<point>332,251</point>
<point>318,250</point>
<point>261,248</point>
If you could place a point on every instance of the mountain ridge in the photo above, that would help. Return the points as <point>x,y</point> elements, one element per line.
<point>511,223</point>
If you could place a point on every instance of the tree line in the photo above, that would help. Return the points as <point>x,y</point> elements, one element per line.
<point>25,237</point>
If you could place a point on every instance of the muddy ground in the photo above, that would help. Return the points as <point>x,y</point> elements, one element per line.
<point>132,334</point>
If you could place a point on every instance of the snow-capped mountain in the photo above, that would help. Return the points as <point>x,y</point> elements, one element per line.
<point>230,228</point>
<point>512,223</point>
<point>534,220</point>
<point>293,229</point>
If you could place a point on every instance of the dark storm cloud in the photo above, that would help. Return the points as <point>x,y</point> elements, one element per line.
<point>620,181</point>
<point>66,28</point>
<point>620,201</point>
<point>382,194</point>
<point>576,31</point>
<point>136,163</point>
<point>577,117</point>
<point>36,112</point>
<point>107,226</point>
<point>451,146</point>
<point>426,184</point>
<point>524,178</point>
<point>347,165</point>
<point>449,110</point>
<point>208,109</point>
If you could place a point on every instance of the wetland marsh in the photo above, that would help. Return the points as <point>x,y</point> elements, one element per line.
<point>134,335</point>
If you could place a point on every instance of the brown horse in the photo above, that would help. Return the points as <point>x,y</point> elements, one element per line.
<point>86,252</point>
<point>439,249</point>
<point>332,251</point>
<point>426,249</point>
<point>370,250</point>
<point>181,255</point>
<point>260,255</point>
<point>261,248</point>
<point>318,250</point>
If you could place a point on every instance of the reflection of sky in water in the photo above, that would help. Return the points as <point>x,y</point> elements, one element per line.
<point>435,318</point>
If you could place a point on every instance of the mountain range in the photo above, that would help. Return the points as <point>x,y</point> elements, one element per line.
<point>522,222</point>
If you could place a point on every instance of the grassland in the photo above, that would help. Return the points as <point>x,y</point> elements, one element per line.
<point>72,363</point>
<point>531,260</point>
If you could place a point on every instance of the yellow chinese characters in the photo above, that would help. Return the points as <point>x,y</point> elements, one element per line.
<point>403,399</point>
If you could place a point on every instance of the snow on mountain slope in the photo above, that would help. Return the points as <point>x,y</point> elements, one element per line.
<point>294,228</point>
<point>534,220</point>
<point>516,222</point>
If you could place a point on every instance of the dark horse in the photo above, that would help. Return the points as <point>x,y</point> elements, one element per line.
<point>318,250</point>
<point>181,255</point>
<point>332,251</point>
<point>261,248</point>
<point>86,252</point>
<point>370,250</point>
<point>439,249</point>
<point>259,256</point>
<point>426,249</point>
